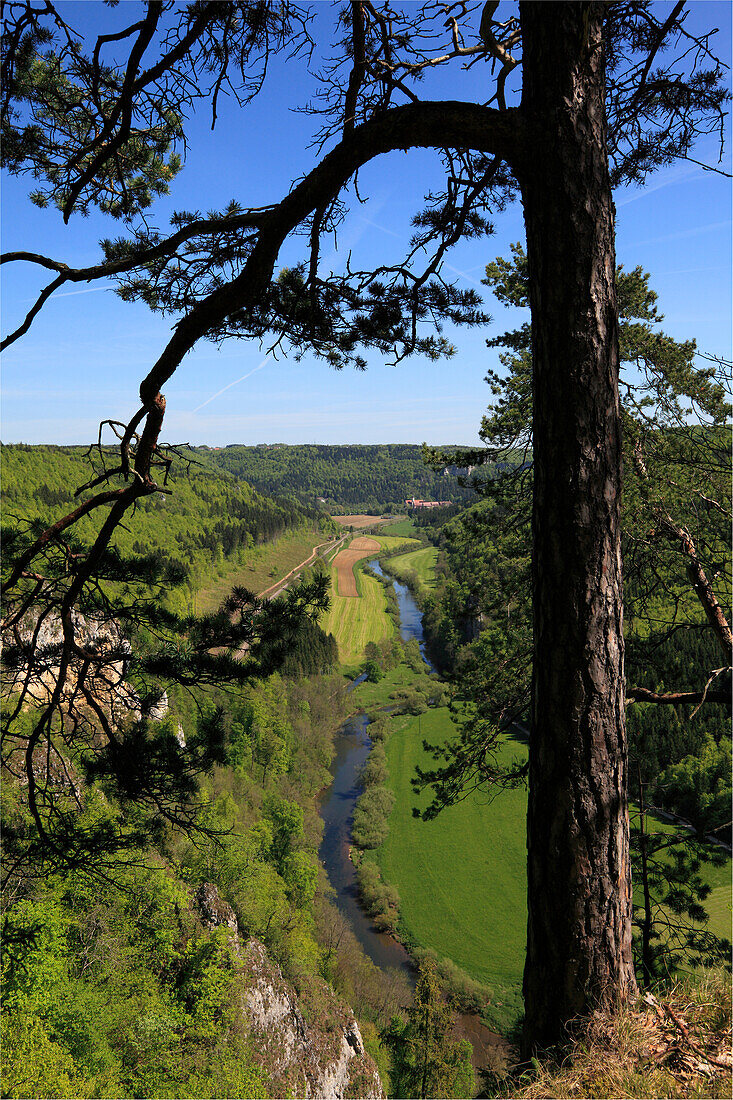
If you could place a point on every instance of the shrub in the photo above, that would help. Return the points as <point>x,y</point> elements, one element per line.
<point>375,768</point>
<point>371,815</point>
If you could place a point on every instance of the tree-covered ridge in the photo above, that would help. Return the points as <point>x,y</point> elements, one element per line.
<point>116,984</point>
<point>210,516</point>
<point>358,478</point>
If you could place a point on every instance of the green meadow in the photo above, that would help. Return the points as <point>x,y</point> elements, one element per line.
<point>354,621</point>
<point>416,563</point>
<point>403,526</point>
<point>462,877</point>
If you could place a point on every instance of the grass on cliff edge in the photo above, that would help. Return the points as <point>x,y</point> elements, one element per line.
<point>677,1045</point>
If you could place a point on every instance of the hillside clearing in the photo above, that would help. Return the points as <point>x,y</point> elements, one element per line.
<point>263,566</point>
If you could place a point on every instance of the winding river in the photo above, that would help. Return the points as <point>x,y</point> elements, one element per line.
<point>352,745</point>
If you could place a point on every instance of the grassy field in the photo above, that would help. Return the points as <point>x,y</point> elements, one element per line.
<point>402,527</point>
<point>354,622</point>
<point>461,878</point>
<point>391,543</point>
<point>419,562</point>
<point>718,902</point>
<point>265,564</point>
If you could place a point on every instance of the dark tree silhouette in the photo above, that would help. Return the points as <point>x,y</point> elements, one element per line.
<point>585,105</point>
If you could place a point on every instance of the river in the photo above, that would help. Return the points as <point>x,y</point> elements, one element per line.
<point>352,747</point>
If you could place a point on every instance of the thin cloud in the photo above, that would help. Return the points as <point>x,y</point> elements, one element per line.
<point>86,290</point>
<point>448,267</point>
<point>678,175</point>
<point>236,382</point>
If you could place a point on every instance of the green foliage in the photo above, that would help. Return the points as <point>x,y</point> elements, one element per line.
<point>113,989</point>
<point>211,517</point>
<point>699,786</point>
<point>676,460</point>
<point>371,817</point>
<point>426,1061</point>
<point>380,900</point>
<point>122,994</point>
<point>356,479</point>
<point>373,672</point>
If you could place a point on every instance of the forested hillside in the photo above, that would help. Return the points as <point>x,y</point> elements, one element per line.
<point>368,479</point>
<point>180,917</point>
<point>125,969</point>
<point>209,517</point>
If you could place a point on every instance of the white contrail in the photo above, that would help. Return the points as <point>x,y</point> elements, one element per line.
<point>236,382</point>
<point>86,290</point>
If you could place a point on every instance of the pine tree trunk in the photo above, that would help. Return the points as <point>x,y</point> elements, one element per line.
<point>579,930</point>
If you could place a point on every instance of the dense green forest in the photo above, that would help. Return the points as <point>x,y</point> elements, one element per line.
<point>116,982</point>
<point>351,478</point>
<point>210,517</point>
<point>115,985</point>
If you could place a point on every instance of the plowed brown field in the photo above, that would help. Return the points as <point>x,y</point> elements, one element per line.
<point>361,520</point>
<point>345,561</point>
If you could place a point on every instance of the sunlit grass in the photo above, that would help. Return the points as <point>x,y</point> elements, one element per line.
<point>354,621</point>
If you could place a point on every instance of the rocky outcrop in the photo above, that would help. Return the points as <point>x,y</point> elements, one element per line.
<point>41,643</point>
<point>309,1043</point>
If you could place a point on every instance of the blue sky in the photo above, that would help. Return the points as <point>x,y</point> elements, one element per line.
<point>84,357</point>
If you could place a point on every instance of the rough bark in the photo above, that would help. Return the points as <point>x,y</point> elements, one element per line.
<point>579,929</point>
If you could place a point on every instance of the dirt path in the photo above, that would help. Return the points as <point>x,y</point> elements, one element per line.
<point>270,593</point>
<point>345,561</point>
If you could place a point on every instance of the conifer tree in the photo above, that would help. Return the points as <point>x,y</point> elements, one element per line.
<point>427,1061</point>
<point>596,108</point>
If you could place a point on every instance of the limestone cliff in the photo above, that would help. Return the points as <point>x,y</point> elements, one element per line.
<point>309,1044</point>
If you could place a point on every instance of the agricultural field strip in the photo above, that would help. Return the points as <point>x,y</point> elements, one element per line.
<point>361,520</point>
<point>395,544</point>
<point>279,584</point>
<point>353,623</point>
<point>345,561</point>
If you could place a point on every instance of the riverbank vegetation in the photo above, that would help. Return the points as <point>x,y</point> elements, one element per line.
<point>416,569</point>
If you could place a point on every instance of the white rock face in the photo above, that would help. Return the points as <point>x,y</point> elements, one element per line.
<point>321,1058</point>
<point>100,637</point>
